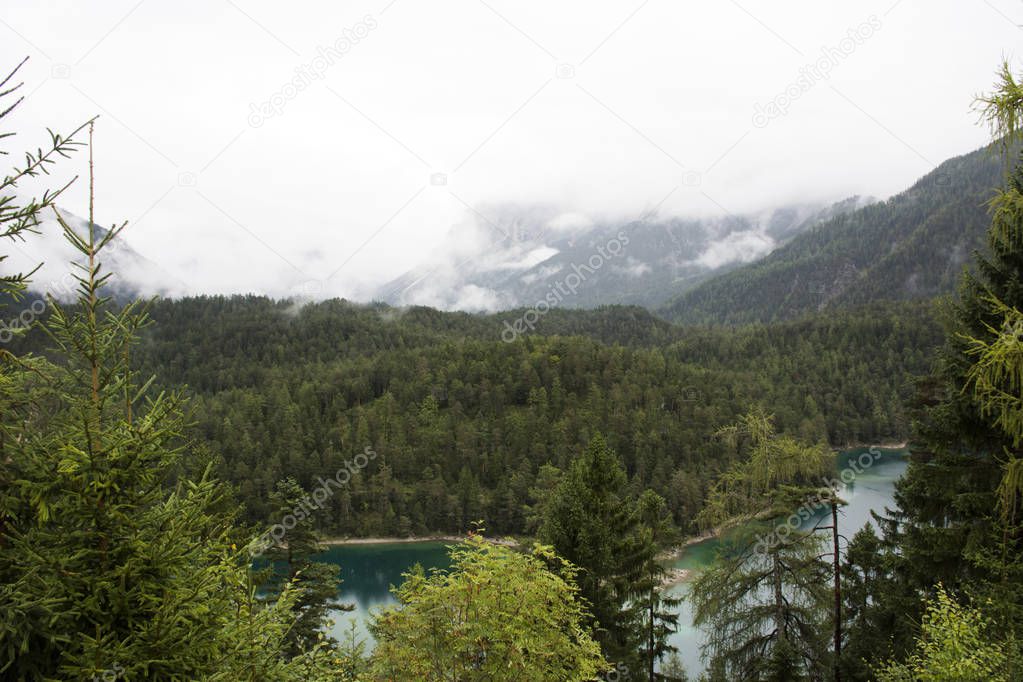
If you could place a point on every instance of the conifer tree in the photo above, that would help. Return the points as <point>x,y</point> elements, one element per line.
<point>591,521</point>
<point>866,574</point>
<point>765,599</point>
<point>660,610</point>
<point>111,560</point>
<point>765,608</point>
<point>292,564</point>
<point>955,521</point>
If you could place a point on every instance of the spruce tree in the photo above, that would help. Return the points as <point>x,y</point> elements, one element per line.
<point>866,574</point>
<point>112,561</point>
<point>660,610</point>
<point>947,527</point>
<point>591,521</point>
<point>292,564</point>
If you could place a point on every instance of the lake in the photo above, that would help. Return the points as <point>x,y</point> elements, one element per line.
<point>368,570</point>
<point>872,489</point>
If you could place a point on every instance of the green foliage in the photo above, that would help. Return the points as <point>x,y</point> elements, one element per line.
<point>112,560</point>
<point>774,473</point>
<point>660,611</point>
<point>956,644</point>
<point>495,615</point>
<point>352,658</point>
<point>284,392</point>
<point>957,503</point>
<point>592,521</point>
<point>996,377</point>
<point>291,565</point>
<point>872,607</point>
<point>674,670</point>
<point>765,601</point>
<point>765,612</point>
<point>1003,108</point>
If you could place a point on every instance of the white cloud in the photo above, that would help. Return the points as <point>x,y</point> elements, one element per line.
<point>345,186</point>
<point>742,247</point>
<point>632,268</point>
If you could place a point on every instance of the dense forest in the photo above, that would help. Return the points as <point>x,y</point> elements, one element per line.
<point>282,389</point>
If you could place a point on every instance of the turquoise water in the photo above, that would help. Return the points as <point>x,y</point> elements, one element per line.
<point>368,570</point>
<point>872,489</point>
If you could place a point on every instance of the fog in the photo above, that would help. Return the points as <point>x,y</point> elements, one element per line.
<point>328,148</point>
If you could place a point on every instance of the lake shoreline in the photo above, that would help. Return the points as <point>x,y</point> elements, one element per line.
<point>901,445</point>
<point>385,540</point>
<point>675,553</point>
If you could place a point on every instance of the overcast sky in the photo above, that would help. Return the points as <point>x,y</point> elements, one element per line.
<point>413,115</point>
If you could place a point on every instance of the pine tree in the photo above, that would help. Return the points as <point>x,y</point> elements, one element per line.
<point>292,566</point>
<point>660,610</point>
<point>111,560</point>
<point>592,522</point>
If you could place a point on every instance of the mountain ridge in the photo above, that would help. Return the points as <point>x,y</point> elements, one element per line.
<point>911,246</point>
<point>664,257</point>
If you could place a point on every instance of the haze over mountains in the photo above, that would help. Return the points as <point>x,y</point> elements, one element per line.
<point>133,273</point>
<point>912,246</point>
<point>775,264</point>
<point>519,257</point>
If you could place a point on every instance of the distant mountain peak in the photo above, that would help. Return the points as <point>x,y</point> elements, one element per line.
<point>517,256</point>
<point>133,274</point>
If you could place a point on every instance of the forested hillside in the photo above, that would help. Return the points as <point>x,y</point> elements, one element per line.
<point>468,426</point>
<point>913,246</point>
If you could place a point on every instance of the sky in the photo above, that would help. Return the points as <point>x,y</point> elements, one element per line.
<point>329,147</point>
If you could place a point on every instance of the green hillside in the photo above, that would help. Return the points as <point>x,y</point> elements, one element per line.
<point>912,246</point>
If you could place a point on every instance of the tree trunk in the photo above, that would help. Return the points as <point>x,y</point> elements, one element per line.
<point>838,591</point>
<point>779,600</point>
<point>650,640</point>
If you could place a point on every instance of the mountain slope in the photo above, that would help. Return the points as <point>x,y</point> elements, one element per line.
<point>134,274</point>
<point>912,246</point>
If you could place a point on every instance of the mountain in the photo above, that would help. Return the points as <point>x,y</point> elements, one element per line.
<point>134,275</point>
<point>517,256</point>
<point>911,246</point>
